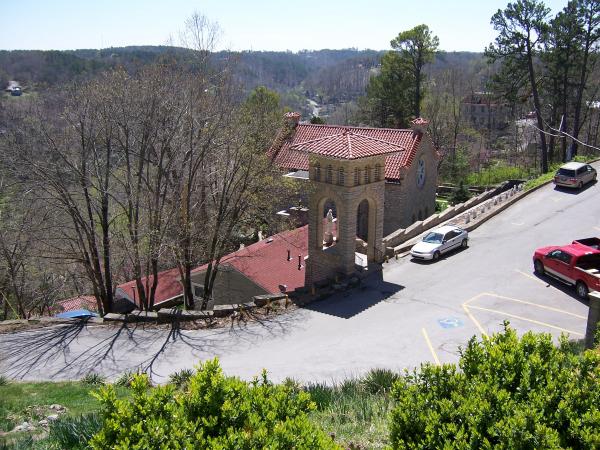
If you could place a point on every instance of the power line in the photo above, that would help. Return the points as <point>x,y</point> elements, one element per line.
<point>564,134</point>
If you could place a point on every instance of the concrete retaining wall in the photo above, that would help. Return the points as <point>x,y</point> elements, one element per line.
<point>399,236</point>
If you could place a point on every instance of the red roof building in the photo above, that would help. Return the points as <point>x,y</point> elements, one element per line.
<point>168,290</point>
<point>271,266</point>
<point>260,268</point>
<point>410,164</point>
<point>81,302</point>
<point>291,152</point>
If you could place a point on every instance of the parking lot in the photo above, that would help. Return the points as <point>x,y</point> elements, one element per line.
<point>410,313</point>
<point>493,280</point>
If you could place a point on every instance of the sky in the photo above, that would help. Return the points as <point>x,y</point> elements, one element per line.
<point>461,25</point>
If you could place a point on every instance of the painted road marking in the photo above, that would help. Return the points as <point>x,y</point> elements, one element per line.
<point>518,224</point>
<point>556,199</point>
<point>597,228</point>
<point>531,277</point>
<point>537,305</point>
<point>470,316</point>
<point>537,322</point>
<point>450,322</point>
<point>435,358</point>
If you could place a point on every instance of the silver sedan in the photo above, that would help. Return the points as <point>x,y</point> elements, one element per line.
<point>440,241</point>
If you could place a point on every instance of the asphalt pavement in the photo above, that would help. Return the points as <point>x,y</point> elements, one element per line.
<point>413,312</point>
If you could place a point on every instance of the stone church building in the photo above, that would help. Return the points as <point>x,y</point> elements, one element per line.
<point>409,172</point>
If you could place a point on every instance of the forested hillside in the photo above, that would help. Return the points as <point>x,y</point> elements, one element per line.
<point>328,76</point>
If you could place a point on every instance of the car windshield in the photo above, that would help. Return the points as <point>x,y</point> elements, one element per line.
<point>566,172</point>
<point>433,238</point>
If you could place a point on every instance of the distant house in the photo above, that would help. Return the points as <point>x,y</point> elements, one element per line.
<point>482,110</point>
<point>14,88</point>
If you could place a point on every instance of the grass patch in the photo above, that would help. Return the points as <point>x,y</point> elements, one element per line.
<point>355,411</point>
<point>496,174</point>
<point>22,401</point>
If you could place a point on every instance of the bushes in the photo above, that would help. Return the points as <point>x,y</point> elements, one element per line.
<point>512,393</point>
<point>214,412</point>
<point>497,173</point>
<point>459,195</point>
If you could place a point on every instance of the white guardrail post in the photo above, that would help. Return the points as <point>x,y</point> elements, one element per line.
<point>593,319</point>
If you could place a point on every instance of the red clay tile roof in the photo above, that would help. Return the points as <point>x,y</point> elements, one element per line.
<point>291,153</point>
<point>168,287</point>
<point>266,264</point>
<point>347,145</point>
<point>82,302</point>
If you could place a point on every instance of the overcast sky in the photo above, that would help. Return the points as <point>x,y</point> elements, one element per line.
<point>247,25</point>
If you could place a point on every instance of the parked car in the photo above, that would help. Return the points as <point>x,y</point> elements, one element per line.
<point>575,264</point>
<point>575,175</point>
<point>440,241</point>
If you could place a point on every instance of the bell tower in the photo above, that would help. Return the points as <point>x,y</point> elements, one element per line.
<point>346,200</point>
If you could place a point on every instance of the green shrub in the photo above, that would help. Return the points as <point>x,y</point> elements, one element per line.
<point>93,379</point>
<point>495,174</point>
<point>74,432</point>
<point>215,412</point>
<point>459,195</point>
<point>180,379</point>
<point>125,379</point>
<point>510,393</point>
<point>380,380</point>
<point>3,380</point>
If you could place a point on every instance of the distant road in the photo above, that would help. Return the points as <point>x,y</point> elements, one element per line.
<point>418,312</point>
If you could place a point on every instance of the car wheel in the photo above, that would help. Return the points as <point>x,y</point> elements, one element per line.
<point>464,243</point>
<point>436,256</point>
<point>538,267</point>
<point>582,289</point>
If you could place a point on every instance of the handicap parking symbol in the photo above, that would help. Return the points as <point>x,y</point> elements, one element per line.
<point>450,322</point>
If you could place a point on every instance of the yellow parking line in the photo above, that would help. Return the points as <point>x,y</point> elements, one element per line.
<point>537,322</point>
<point>435,358</point>
<point>472,299</point>
<point>549,308</point>
<point>474,320</point>
<point>531,277</point>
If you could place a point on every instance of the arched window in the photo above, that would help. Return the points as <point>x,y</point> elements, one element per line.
<point>357,176</point>
<point>341,176</point>
<point>329,176</point>
<point>367,174</point>
<point>377,172</point>
<point>317,172</point>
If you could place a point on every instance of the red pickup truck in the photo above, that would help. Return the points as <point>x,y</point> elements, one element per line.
<point>577,264</point>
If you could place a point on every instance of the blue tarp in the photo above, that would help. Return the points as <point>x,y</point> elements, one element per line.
<point>78,313</point>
